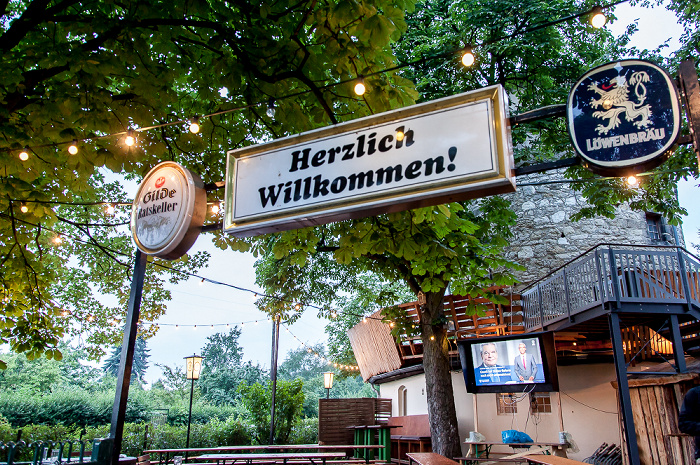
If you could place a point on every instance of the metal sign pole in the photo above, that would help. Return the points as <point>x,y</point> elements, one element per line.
<point>273,373</point>
<point>127,358</point>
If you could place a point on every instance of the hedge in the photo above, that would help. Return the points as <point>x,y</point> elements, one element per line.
<point>82,408</point>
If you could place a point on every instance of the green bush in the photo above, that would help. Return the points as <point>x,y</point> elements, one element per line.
<point>67,407</point>
<point>304,432</point>
<point>137,436</point>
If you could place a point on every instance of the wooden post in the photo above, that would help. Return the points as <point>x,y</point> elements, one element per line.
<point>688,80</point>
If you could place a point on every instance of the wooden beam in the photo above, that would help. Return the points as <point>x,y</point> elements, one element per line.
<point>688,80</point>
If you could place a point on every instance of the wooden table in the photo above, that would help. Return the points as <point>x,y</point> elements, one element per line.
<point>165,455</point>
<point>551,460</point>
<point>429,458</point>
<point>321,457</point>
<point>556,448</point>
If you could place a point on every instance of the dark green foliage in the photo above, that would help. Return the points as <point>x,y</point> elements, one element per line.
<point>139,436</point>
<point>304,432</point>
<point>67,407</point>
<point>289,399</point>
<point>224,369</point>
<point>139,365</point>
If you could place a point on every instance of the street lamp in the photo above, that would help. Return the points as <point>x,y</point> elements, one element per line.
<point>193,368</point>
<point>328,382</point>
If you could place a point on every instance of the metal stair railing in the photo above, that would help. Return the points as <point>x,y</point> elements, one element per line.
<point>613,273</point>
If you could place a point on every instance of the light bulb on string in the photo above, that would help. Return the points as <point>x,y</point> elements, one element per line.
<point>468,56</point>
<point>271,108</point>
<point>73,147</point>
<point>360,87</point>
<point>215,208</point>
<point>23,207</point>
<point>24,154</point>
<point>194,125</point>
<point>632,181</point>
<point>110,209</point>
<point>130,139</point>
<point>598,18</point>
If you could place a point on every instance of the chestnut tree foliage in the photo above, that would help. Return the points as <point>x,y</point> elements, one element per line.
<point>87,70</point>
<point>459,245</point>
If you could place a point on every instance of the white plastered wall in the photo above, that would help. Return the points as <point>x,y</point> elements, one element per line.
<point>587,398</point>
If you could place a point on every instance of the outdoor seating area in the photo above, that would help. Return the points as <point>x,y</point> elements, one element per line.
<point>298,454</point>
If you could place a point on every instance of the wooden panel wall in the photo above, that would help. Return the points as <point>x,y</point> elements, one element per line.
<point>335,415</point>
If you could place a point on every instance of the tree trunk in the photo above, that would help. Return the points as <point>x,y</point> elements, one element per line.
<point>438,380</point>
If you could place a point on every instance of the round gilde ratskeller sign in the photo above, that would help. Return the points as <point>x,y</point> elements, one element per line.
<point>168,211</point>
<point>624,117</point>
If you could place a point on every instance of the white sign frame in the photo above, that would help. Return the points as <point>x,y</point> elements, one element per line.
<point>461,145</point>
<point>168,211</point>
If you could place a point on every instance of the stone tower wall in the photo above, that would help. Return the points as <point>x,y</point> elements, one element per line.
<point>546,237</point>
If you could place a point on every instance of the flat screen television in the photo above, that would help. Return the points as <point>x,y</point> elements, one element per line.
<point>515,363</point>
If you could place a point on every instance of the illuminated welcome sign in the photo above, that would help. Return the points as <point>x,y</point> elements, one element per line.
<point>442,151</point>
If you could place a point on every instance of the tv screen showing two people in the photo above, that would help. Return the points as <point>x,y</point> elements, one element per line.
<point>508,362</point>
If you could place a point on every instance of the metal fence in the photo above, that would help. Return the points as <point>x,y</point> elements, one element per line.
<point>606,273</point>
<point>55,452</point>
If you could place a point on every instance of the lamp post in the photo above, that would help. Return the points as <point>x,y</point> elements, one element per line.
<point>193,369</point>
<point>328,382</point>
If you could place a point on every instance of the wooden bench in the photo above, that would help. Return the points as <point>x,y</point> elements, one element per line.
<point>429,458</point>
<point>552,460</point>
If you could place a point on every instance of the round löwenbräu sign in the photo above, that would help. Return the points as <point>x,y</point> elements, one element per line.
<point>168,211</point>
<point>624,117</point>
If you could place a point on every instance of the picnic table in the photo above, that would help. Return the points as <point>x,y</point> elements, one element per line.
<point>165,456</point>
<point>553,448</point>
<point>284,457</point>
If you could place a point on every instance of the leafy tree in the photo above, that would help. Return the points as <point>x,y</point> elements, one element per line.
<point>458,244</point>
<point>139,365</point>
<point>308,365</point>
<point>42,376</point>
<point>257,399</point>
<point>224,369</point>
<point>222,351</point>
<point>304,363</point>
<point>85,69</point>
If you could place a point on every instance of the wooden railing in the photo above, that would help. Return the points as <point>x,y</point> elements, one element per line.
<point>613,273</point>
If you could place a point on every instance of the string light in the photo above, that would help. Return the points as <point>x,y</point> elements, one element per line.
<point>632,181</point>
<point>58,240</point>
<point>215,208</point>
<point>598,18</point>
<point>23,207</point>
<point>400,135</point>
<point>360,87</point>
<point>110,209</point>
<point>73,147</point>
<point>194,125</point>
<point>595,14</point>
<point>468,56</point>
<point>271,108</point>
<point>24,154</point>
<point>130,140</point>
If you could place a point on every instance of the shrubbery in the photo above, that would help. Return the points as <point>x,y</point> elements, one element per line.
<point>79,407</point>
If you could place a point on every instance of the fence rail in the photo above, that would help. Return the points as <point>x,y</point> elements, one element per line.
<point>53,452</point>
<point>609,273</point>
